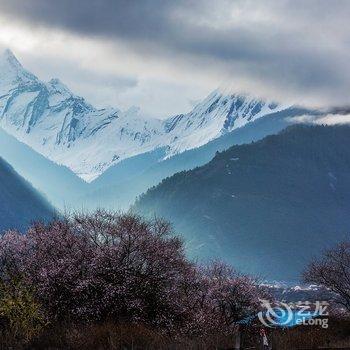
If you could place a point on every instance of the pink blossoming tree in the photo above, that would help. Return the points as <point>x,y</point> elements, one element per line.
<point>120,267</point>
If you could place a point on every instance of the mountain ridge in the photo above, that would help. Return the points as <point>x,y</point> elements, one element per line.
<point>68,130</point>
<point>266,207</point>
<point>20,203</point>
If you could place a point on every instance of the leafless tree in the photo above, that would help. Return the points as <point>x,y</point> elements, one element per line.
<point>332,270</point>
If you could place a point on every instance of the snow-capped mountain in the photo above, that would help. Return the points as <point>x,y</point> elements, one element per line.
<point>48,117</point>
<point>219,113</point>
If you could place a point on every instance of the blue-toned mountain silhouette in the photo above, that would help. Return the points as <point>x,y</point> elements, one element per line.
<point>266,207</point>
<point>20,203</point>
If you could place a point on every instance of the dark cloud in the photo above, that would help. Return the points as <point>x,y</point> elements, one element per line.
<point>122,18</point>
<point>290,44</point>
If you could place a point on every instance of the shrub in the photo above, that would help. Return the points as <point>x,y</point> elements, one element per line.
<point>22,318</point>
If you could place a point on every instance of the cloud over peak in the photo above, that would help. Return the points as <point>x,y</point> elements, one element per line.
<point>290,50</point>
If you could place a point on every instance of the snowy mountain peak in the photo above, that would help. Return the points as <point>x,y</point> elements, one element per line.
<point>8,57</point>
<point>11,71</point>
<point>55,86</point>
<point>215,115</point>
<point>66,129</point>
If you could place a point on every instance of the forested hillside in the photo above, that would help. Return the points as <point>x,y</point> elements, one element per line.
<point>266,207</point>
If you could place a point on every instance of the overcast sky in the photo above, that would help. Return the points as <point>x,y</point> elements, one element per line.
<point>165,55</point>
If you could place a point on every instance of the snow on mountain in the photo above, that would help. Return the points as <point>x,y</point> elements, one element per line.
<point>12,73</point>
<point>219,113</point>
<point>66,129</point>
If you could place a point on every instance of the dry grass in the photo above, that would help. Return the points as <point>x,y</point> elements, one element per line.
<point>110,336</point>
<point>336,336</point>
